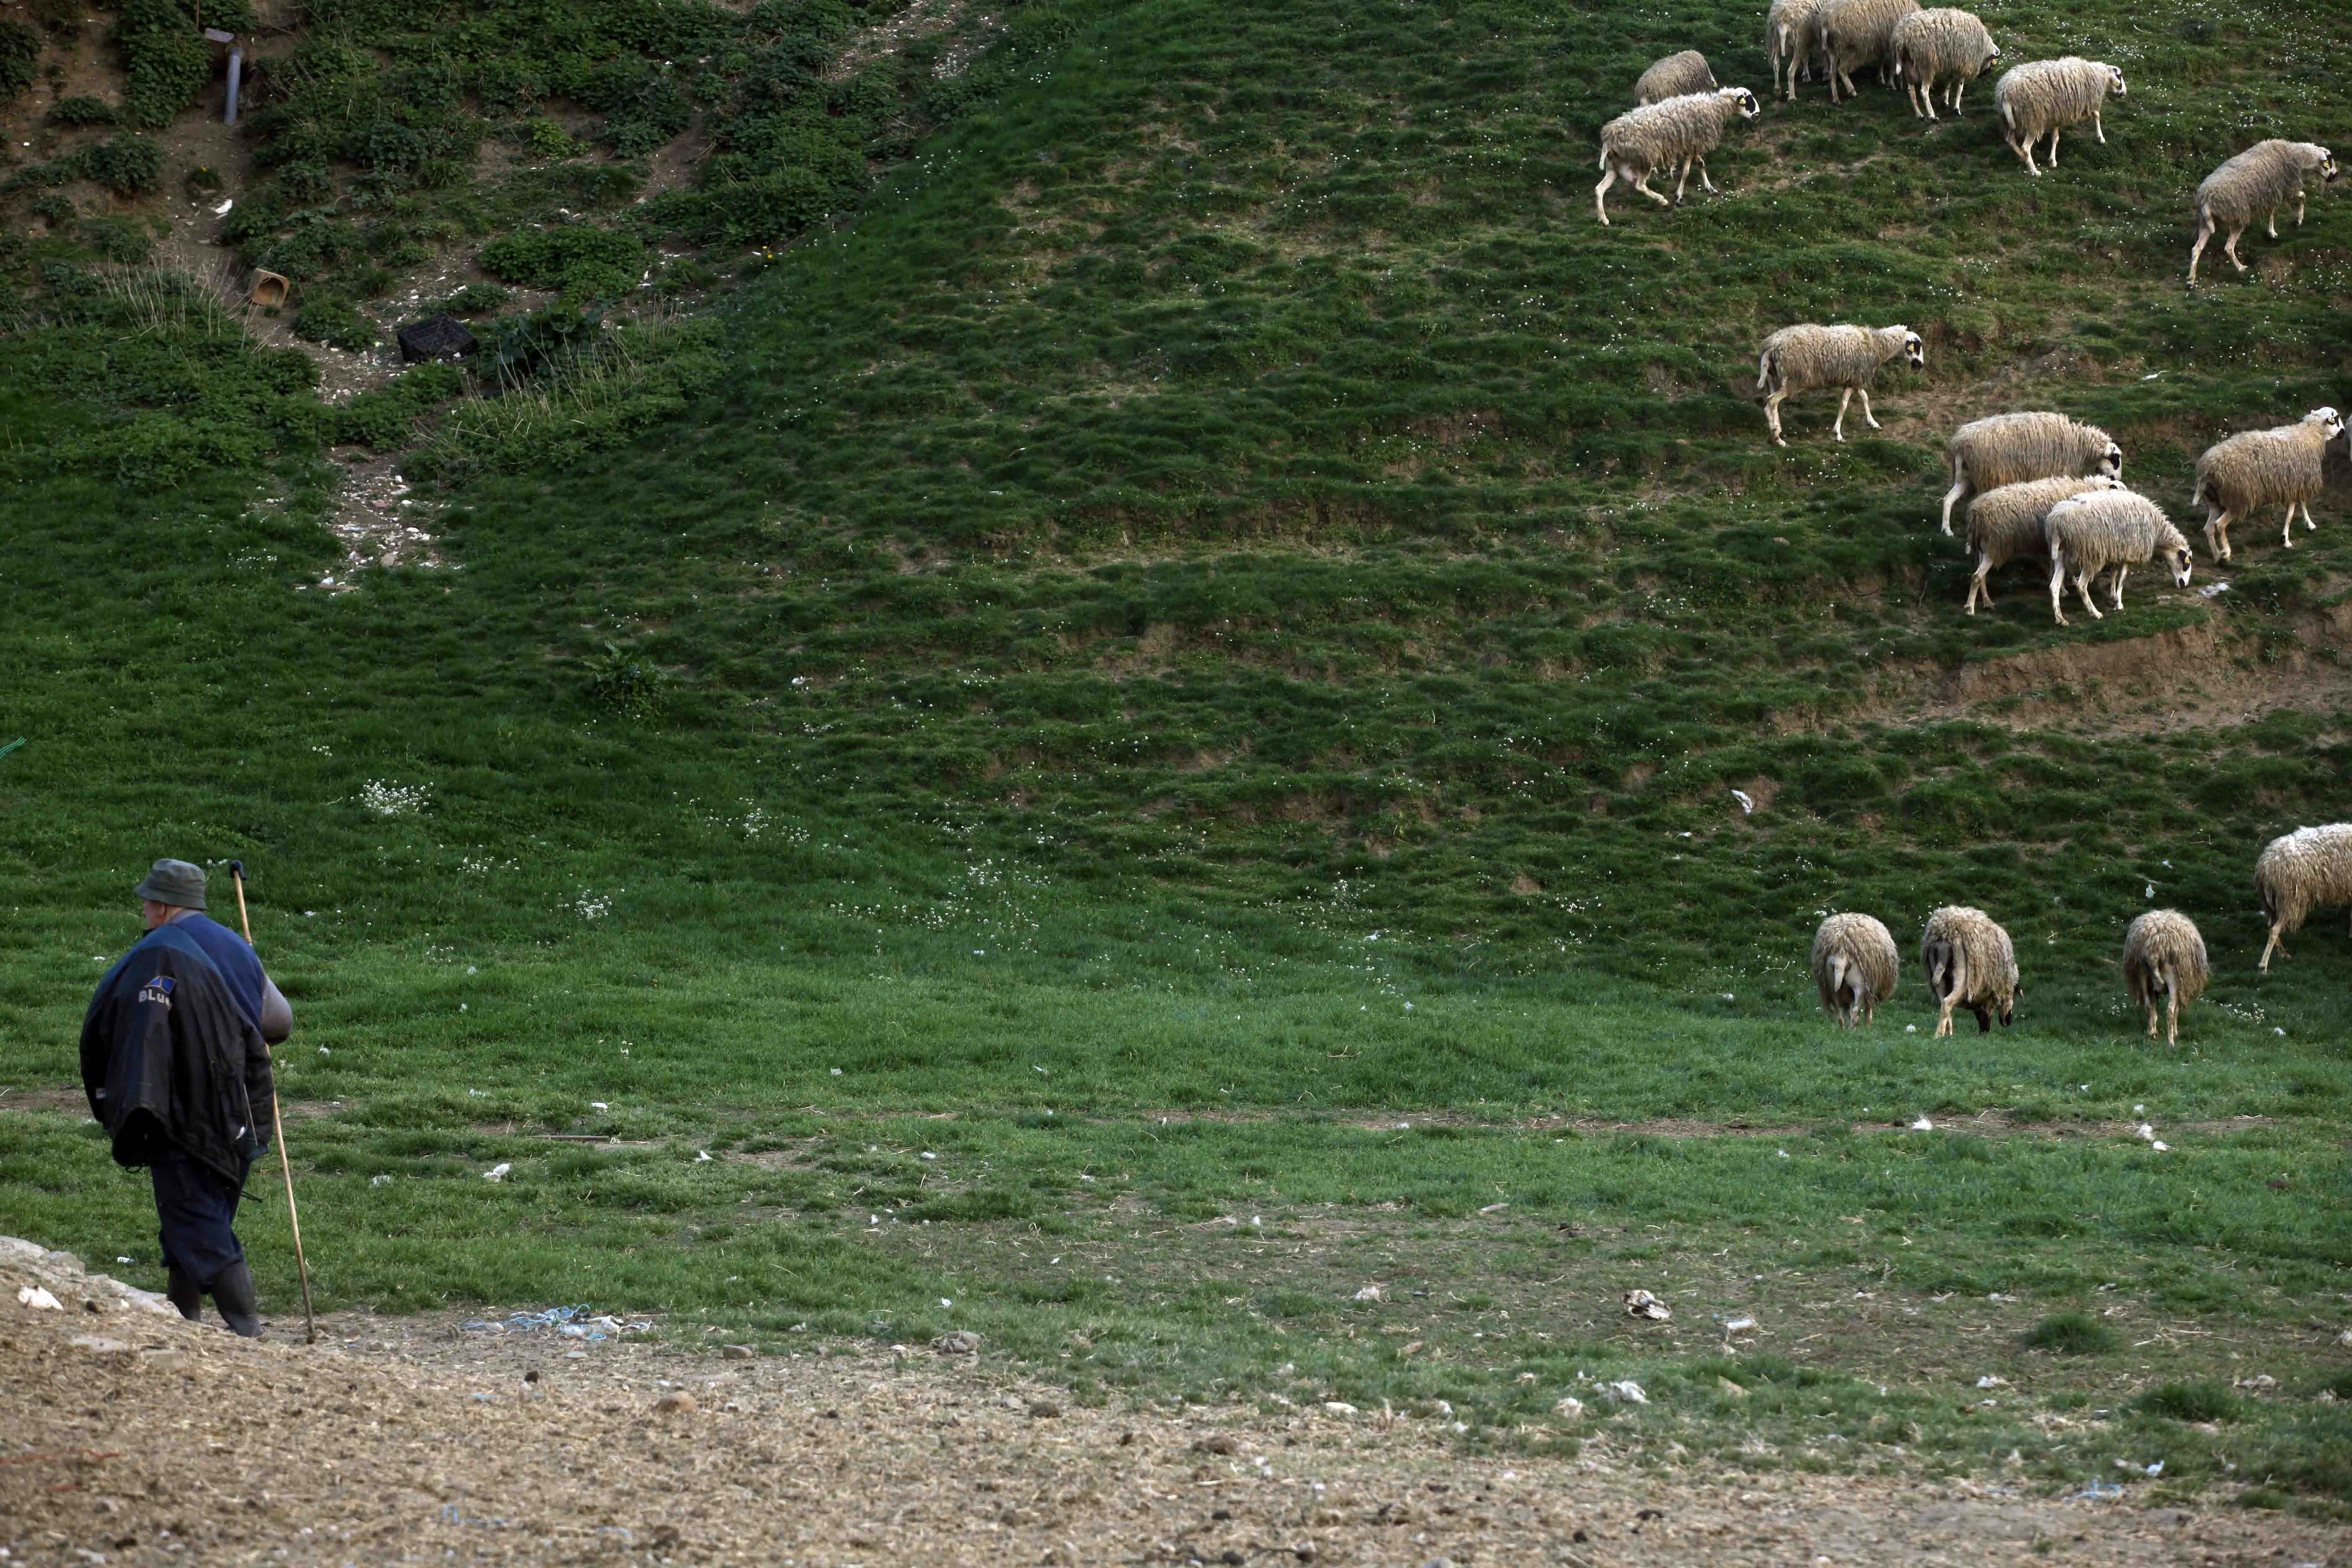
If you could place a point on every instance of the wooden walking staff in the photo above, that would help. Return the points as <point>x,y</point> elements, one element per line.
<point>293,1219</point>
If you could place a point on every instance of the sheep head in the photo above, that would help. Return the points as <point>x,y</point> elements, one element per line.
<point>2328,419</point>
<point>2175,561</point>
<point>2326,164</point>
<point>1992,53</point>
<point>2111,463</point>
<point>2115,81</point>
<point>1914,351</point>
<point>1748,108</point>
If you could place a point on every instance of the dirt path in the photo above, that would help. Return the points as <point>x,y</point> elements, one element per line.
<point>138,1438</point>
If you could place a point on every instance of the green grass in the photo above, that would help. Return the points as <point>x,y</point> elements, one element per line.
<point>1218,614</point>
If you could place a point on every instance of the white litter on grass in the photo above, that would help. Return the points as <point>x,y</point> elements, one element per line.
<point>2214,590</point>
<point>2145,1132</point>
<point>1923,1125</point>
<point>325,1052</point>
<point>1780,1154</point>
<point>2155,1469</point>
<point>1370,1293</point>
<point>1738,1325</point>
<point>1747,801</point>
<point>1990,1381</point>
<point>1338,1407</point>
<point>378,1181</point>
<point>1641,1304</point>
<point>2138,1110</point>
<point>947,1302</point>
<point>1571,1408</point>
<point>1494,1208</point>
<point>1910,1028</point>
<point>1625,1393</point>
<point>837,1072</point>
<point>598,1105</point>
<point>928,1155</point>
<point>38,1299</point>
<point>497,1173</point>
<point>2161,1147</point>
<point>701,1157</point>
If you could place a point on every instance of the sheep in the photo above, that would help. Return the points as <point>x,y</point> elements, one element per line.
<point>1679,132</point>
<point>2009,449</point>
<point>2255,183</point>
<point>1676,76</point>
<point>1851,33</point>
<point>2042,98</point>
<point>2256,467</point>
<point>1970,963</point>
<point>2006,524</point>
<point>1788,36</point>
<point>1854,967</point>
<point>2164,956</point>
<point>1931,45</point>
<point>2098,529</point>
<point>1801,358</point>
<point>2299,872</point>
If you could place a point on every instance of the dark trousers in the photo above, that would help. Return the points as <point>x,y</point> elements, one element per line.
<point>195,1206</point>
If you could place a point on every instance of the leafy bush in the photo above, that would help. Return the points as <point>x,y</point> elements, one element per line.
<point>165,60</point>
<point>475,298</point>
<point>333,321</point>
<point>20,58</point>
<point>623,684</point>
<point>125,241</point>
<point>81,110</point>
<point>2202,1401</point>
<point>2071,1333</point>
<point>305,182</point>
<point>382,418</point>
<point>127,166</point>
<point>581,260</point>
<point>548,139</point>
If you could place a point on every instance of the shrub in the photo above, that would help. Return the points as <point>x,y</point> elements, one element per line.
<point>305,182</point>
<point>548,139</point>
<point>383,417</point>
<point>2203,1401</point>
<point>164,61</point>
<point>20,58</point>
<point>127,166</point>
<point>623,684</point>
<point>125,241</point>
<point>581,260</point>
<point>81,110</point>
<point>2071,1333</point>
<point>475,298</point>
<point>333,321</point>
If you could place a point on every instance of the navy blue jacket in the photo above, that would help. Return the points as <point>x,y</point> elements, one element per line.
<point>170,1060</point>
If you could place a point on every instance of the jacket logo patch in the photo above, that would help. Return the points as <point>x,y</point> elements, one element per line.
<point>158,991</point>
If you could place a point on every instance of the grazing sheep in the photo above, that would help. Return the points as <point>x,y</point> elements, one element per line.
<point>1931,45</point>
<point>2255,183</point>
<point>1801,358</point>
<point>2164,956</point>
<point>1970,963</point>
<point>1788,36</point>
<point>2257,467</point>
<point>2299,872</point>
<point>2009,449</point>
<point>2098,529</point>
<point>2042,98</point>
<point>2008,523</point>
<point>1676,133</point>
<point>1676,76</point>
<point>1854,967</point>
<point>1848,34</point>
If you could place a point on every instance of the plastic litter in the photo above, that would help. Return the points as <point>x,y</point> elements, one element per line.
<point>1747,801</point>
<point>1571,1408</point>
<point>1641,1304</point>
<point>1370,1293</point>
<point>2097,1492</point>
<point>497,1173</point>
<point>571,1322</point>
<point>2213,590</point>
<point>1625,1393</point>
<point>38,1299</point>
<point>1923,1125</point>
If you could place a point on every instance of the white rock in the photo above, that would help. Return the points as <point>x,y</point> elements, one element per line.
<point>37,1298</point>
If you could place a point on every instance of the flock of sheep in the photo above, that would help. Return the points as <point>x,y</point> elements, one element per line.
<point>2038,485</point>
<point>1970,961</point>
<point>2045,488</point>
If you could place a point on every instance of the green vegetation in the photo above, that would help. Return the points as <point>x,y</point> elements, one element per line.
<point>1204,630</point>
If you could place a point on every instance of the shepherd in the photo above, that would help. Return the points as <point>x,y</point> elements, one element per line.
<point>175,1065</point>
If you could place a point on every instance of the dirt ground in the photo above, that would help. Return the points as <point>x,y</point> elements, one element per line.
<point>133,1438</point>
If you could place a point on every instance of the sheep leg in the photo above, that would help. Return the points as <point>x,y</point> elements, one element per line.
<point>2307,524</point>
<point>2171,1014</point>
<point>1944,1019</point>
<point>2230,249</point>
<point>1600,193</point>
<point>1954,496</point>
<point>1977,584</point>
<point>1772,417</point>
<point>2265,965</point>
<point>2054,146</point>
<point>1642,185</point>
<point>1958,87</point>
<point>2271,223</point>
<point>2101,130</point>
<point>2298,211</point>
<point>1873,419</point>
<point>2204,233</point>
<point>2083,592</point>
<point>2119,587</point>
<point>1837,430</point>
<point>2058,590</point>
<point>2217,536</point>
<point>1702,180</point>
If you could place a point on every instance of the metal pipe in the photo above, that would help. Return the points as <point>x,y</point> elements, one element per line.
<point>236,70</point>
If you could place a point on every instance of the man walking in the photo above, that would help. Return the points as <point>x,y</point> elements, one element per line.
<point>174,1061</point>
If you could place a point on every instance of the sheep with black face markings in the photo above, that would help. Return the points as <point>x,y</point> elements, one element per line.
<point>1936,44</point>
<point>1676,76</point>
<point>2095,531</point>
<point>1789,37</point>
<point>1801,358</point>
<point>2041,97</point>
<point>1970,963</point>
<point>2164,955</point>
<point>2256,184</point>
<point>1674,135</point>
<point>2009,449</point>
<point>2263,467</point>
<point>1850,34</point>
<point>2298,872</point>
<point>1854,967</point>
<point>2010,523</point>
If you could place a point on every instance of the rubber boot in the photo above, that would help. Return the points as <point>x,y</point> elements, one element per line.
<point>233,1294</point>
<point>185,1294</point>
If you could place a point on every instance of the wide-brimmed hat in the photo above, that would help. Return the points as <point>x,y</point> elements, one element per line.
<point>174,882</point>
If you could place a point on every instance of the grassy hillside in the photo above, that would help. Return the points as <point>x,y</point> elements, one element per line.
<point>1219,592</point>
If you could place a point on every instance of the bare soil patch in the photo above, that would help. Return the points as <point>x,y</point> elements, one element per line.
<point>140,1438</point>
